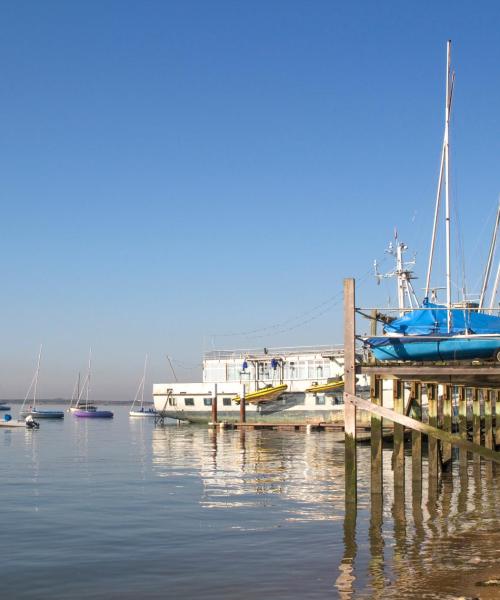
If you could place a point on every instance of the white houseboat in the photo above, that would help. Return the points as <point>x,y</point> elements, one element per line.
<point>299,385</point>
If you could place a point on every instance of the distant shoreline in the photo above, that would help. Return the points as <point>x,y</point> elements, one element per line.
<point>61,401</point>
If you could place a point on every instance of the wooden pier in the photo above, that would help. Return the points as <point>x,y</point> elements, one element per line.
<point>443,385</point>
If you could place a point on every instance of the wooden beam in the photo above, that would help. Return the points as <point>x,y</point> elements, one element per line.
<point>447,402</point>
<point>452,438</point>
<point>416,436</point>
<point>399,432</point>
<point>497,418</point>
<point>428,371</point>
<point>350,458</point>
<point>462,425</point>
<point>432,442</point>
<point>376,394</point>
<point>476,421</point>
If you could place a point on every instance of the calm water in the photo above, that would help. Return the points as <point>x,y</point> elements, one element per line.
<point>124,509</point>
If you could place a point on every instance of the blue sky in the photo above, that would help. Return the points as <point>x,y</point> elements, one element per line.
<point>175,171</point>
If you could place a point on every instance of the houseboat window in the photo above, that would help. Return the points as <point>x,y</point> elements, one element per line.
<point>207,401</point>
<point>320,399</point>
<point>188,401</point>
<point>226,401</point>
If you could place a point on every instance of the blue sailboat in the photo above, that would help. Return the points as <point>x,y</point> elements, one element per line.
<point>437,332</point>
<point>424,335</point>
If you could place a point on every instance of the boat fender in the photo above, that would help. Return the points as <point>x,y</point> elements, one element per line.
<point>7,418</point>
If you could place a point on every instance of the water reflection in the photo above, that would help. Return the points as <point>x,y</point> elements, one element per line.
<point>440,545</point>
<point>409,543</point>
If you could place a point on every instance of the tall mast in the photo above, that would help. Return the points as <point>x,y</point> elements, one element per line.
<point>88,379</point>
<point>450,81</point>
<point>487,271</point>
<point>447,184</point>
<point>495,288</point>
<point>144,380</point>
<point>36,376</point>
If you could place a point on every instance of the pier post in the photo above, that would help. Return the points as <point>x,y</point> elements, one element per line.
<point>243,414</point>
<point>214,405</point>
<point>350,388</point>
<point>376,396</point>
<point>447,409</point>
<point>416,436</point>
<point>432,442</point>
<point>488,427</point>
<point>476,422</point>
<point>497,418</point>
<point>399,432</point>
<point>462,425</point>
<point>488,419</point>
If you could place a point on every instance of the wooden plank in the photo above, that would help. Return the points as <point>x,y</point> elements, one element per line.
<point>399,431</point>
<point>416,436</point>
<point>476,421</point>
<point>430,431</point>
<point>432,442</point>
<point>376,394</point>
<point>350,458</point>
<point>447,409</point>
<point>462,424</point>
<point>428,371</point>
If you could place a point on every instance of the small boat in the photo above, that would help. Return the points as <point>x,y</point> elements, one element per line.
<point>92,412</point>
<point>32,409</point>
<point>263,395</point>
<point>142,411</point>
<point>27,423</point>
<point>325,387</point>
<point>88,410</point>
<point>424,335</point>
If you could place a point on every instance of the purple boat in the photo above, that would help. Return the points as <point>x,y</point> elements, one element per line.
<point>91,412</point>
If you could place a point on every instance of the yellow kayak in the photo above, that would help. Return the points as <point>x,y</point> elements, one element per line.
<point>326,387</point>
<point>263,395</point>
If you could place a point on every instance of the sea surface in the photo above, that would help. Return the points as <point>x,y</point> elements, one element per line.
<point>124,509</point>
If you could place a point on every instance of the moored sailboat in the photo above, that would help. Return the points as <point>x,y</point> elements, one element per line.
<point>442,332</point>
<point>33,410</point>
<point>141,410</point>
<point>89,410</point>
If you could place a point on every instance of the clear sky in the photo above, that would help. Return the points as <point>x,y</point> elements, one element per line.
<point>175,171</point>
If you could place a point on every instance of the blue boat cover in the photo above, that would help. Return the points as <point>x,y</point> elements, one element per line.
<point>433,320</point>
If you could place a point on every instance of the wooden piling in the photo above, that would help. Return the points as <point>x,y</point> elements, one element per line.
<point>350,458</point>
<point>476,421</point>
<point>432,442</point>
<point>488,427</point>
<point>462,424</point>
<point>497,418</point>
<point>416,436</point>
<point>376,394</point>
<point>488,419</point>
<point>399,432</point>
<point>214,406</point>
<point>243,414</point>
<point>447,423</point>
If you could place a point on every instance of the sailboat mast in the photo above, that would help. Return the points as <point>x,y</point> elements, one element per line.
<point>490,260</point>
<point>144,380</point>
<point>36,376</point>
<point>495,288</point>
<point>88,378</point>
<point>447,184</point>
